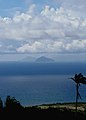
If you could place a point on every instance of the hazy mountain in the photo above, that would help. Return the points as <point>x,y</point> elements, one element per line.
<point>28,59</point>
<point>44,59</point>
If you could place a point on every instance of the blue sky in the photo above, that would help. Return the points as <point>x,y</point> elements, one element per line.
<point>8,6</point>
<point>48,26</point>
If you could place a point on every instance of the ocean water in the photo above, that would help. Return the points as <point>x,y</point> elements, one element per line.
<point>40,83</point>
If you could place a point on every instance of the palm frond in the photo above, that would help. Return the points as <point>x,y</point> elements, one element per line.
<point>79,78</point>
<point>72,78</point>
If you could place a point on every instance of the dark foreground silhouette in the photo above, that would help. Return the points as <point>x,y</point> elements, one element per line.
<point>12,109</point>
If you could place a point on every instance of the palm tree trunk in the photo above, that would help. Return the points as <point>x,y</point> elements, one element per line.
<point>76,95</point>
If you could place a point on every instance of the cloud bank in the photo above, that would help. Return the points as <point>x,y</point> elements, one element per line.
<point>52,30</point>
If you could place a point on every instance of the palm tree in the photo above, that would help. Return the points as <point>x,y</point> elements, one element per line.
<point>78,79</point>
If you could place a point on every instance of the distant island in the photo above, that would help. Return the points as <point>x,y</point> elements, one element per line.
<point>44,59</point>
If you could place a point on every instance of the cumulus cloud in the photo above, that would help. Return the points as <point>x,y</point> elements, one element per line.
<point>77,6</point>
<point>57,30</point>
<point>54,47</point>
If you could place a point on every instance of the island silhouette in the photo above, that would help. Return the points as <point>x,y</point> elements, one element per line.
<point>44,59</point>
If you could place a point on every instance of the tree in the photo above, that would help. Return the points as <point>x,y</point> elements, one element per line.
<point>78,79</point>
<point>11,104</point>
<point>1,105</point>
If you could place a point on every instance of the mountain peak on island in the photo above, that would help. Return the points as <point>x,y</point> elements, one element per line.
<point>44,59</point>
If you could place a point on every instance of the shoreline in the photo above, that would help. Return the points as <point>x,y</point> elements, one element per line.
<point>69,105</point>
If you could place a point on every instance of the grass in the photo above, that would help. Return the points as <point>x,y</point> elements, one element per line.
<point>59,111</point>
<point>13,109</point>
<point>81,106</point>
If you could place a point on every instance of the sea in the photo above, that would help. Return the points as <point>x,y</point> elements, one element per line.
<point>41,83</point>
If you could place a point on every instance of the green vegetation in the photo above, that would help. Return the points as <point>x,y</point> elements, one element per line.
<point>78,79</point>
<point>12,109</point>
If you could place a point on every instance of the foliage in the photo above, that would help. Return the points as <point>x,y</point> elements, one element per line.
<point>78,79</point>
<point>11,104</point>
<point>12,109</point>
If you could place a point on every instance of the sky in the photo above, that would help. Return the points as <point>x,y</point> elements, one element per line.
<point>43,27</point>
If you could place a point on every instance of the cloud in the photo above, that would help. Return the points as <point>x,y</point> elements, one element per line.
<point>57,30</point>
<point>54,47</point>
<point>77,6</point>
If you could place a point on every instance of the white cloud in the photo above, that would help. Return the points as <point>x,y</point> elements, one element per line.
<point>22,17</point>
<point>51,30</point>
<point>35,47</point>
<point>54,47</point>
<point>78,7</point>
